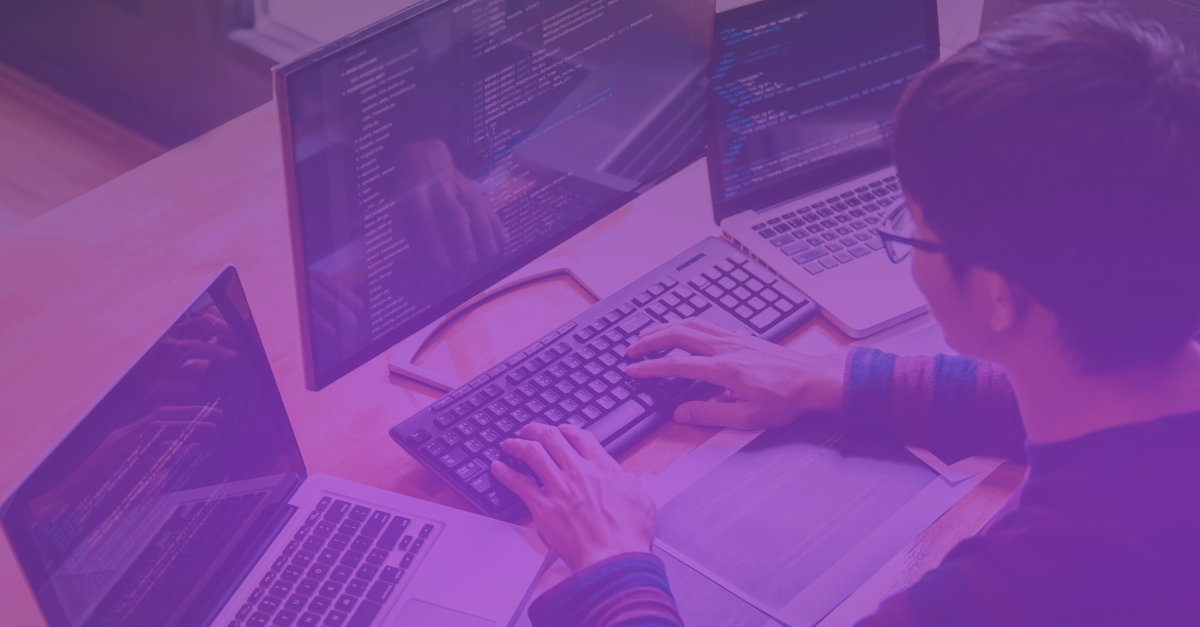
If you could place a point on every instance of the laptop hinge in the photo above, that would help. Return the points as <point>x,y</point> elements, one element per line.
<point>251,557</point>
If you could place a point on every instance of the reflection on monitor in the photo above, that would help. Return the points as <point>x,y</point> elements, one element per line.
<point>433,154</point>
<point>151,503</point>
<point>804,92</point>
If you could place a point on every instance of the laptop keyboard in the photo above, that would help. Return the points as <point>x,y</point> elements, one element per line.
<point>576,374</point>
<point>339,569</point>
<point>835,231</point>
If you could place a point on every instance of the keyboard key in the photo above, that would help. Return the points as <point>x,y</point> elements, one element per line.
<point>245,611</point>
<point>375,524</point>
<point>811,255</point>
<point>391,574</point>
<point>284,618</point>
<point>279,564</point>
<point>349,527</point>
<point>356,587</point>
<point>292,574</point>
<point>766,318</point>
<point>339,542</point>
<point>743,311</point>
<point>269,604</point>
<point>330,589</point>
<point>843,256</point>
<point>345,603</point>
<point>782,240</point>
<point>335,619</point>
<point>626,413</point>
<point>257,620</point>
<point>291,547</point>
<point>319,605</point>
<point>367,611</point>
<point>454,457</point>
<point>339,509</point>
<point>296,602</point>
<point>875,243</point>
<point>467,471</point>
<point>308,619</point>
<point>814,268</point>
<point>830,262</point>
<point>256,595</point>
<point>351,559</point>
<point>407,560</point>
<point>380,591</point>
<point>405,542</point>
<point>307,587</point>
<point>341,574</point>
<point>859,251</point>
<point>834,247</point>
<point>359,513</point>
<point>280,589</point>
<point>324,528</point>
<point>368,571</point>
<point>362,544</point>
<point>317,571</point>
<point>267,580</point>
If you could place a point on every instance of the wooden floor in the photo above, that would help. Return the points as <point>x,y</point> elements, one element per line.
<point>53,149</point>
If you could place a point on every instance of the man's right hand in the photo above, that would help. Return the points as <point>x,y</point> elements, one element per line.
<point>766,385</point>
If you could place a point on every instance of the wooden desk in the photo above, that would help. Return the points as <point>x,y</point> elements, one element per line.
<point>85,288</point>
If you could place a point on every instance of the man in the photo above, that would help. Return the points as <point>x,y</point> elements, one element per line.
<point>1051,170</point>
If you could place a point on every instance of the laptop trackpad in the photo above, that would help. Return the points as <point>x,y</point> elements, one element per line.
<point>417,613</point>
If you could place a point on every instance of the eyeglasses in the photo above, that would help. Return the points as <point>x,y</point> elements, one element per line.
<point>896,232</point>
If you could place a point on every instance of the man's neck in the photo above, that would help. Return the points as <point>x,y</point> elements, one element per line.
<point>1058,404</point>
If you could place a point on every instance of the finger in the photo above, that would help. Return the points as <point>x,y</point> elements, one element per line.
<point>523,486</point>
<point>536,457</point>
<point>687,366</point>
<point>554,443</point>
<point>455,223</point>
<point>585,443</point>
<point>422,214</point>
<point>481,226</point>
<point>715,414</point>
<point>681,337</point>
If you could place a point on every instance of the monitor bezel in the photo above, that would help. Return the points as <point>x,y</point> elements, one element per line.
<point>319,380</point>
<point>800,184</point>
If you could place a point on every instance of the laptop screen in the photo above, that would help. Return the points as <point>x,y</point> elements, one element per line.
<point>804,93</point>
<point>148,509</point>
<point>439,151</point>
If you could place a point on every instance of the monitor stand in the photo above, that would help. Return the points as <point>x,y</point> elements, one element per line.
<point>401,362</point>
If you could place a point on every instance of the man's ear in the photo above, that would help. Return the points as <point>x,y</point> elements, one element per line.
<point>1006,301</point>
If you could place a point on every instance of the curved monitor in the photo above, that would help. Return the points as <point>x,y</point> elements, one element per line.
<point>432,154</point>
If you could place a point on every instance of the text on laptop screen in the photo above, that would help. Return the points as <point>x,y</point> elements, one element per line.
<point>436,155</point>
<point>802,88</point>
<point>145,510</point>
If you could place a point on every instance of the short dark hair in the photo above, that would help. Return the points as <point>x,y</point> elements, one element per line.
<point>1062,150</point>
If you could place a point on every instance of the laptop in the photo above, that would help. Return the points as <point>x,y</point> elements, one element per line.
<point>181,498</point>
<point>803,99</point>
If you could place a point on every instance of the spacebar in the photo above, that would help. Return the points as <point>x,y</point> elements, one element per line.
<point>616,420</point>
<point>364,615</point>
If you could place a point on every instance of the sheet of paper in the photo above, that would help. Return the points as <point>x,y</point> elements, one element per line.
<point>794,519</point>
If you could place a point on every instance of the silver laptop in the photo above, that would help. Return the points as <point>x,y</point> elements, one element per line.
<point>181,499</point>
<point>803,98</point>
